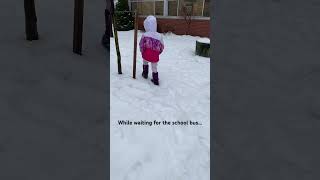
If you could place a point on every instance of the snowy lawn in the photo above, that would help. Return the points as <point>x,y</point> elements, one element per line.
<point>163,152</point>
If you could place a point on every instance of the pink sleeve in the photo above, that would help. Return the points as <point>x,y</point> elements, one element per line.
<point>141,44</point>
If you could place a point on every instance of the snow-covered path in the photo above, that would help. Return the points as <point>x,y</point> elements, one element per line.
<point>163,152</point>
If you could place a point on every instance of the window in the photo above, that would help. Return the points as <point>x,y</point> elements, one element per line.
<point>171,7</point>
<point>196,6</point>
<point>159,5</point>
<point>143,8</point>
<point>206,9</point>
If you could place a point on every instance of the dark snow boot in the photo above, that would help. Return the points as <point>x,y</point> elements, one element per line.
<point>155,78</point>
<point>145,71</point>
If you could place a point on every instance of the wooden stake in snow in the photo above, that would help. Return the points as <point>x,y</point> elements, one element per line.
<point>135,44</point>
<point>117,45</point>
<point>30,20</point>
<point>78,26</point>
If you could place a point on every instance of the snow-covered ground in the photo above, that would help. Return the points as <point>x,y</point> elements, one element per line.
<point>163,152</point>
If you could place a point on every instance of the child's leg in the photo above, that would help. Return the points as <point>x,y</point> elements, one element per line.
<point>155,78</point>
<point>154,67</point>
<point>145,69</point>
<point>145,62</point>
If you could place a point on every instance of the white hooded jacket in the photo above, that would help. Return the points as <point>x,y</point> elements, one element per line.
<point>151,43</point>
<point>150,26</point>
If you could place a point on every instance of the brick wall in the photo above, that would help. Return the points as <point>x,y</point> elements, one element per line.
<point>199,27</point>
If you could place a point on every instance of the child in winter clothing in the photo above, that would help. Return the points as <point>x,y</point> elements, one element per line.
<point>151,46</point>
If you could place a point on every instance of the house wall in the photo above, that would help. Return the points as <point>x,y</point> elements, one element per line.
<point>199,27</point>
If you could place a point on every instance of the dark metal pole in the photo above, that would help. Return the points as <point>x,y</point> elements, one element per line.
<point>108,29</point>
<point>30,20</point>
<point>111,16</point>
<point>108,13</point>
<point>78,26</point>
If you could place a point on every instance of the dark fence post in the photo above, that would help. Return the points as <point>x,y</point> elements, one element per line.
<point>116,40</point>
<point>135,44</point>
<point>78,26</point>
